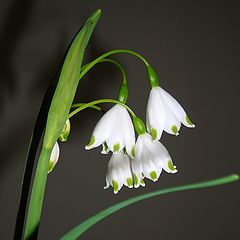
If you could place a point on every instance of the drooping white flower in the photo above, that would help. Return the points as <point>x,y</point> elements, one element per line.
<point>119,172</point>
<point>54,157</point>
<point>164,113</point>
<point>150,158</point>
<point>114,131</point>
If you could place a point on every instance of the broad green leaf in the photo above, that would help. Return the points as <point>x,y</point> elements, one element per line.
<point>84,226</point>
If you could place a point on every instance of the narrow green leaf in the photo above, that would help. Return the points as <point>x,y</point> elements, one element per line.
<point>30,158</point>
<point>57,116</point>
<point>84,226</point>
<point>68,82</point>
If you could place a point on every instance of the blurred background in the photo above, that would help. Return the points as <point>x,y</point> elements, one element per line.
<point>194,45</point>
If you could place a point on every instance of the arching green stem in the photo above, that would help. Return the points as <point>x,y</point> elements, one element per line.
<point>152,74</point>
<point>124,76</point>
<point>123,92</point>
<point>88,66</point>
<point>82,107</point>
<point>81,104</point>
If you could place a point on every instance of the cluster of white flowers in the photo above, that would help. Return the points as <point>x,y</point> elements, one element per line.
<point>132,161</point>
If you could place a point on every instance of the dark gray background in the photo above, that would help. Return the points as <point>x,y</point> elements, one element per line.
<point>194,45</point>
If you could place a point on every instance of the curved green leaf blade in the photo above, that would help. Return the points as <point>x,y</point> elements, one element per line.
<point>38,129</point>
<point>57,116</point>
<point>84,226</point>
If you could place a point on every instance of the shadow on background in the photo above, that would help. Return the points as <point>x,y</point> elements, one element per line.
<point>13,28</point>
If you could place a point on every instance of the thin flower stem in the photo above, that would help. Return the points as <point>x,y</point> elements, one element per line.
<point>124,76</point>
<point>123,91</point>
<point>81,104</point>
<point>82,107</point>
<point>77,231</point>
<point>87,67</point>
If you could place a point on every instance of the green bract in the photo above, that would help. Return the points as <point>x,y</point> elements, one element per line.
<point>57,116</point>
<point>65,132</point>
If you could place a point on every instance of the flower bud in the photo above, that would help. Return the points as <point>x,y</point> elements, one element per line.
<point>54,157</point>
<point>65,132</point>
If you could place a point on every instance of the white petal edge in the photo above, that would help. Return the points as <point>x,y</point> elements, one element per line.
<point>155,114</point>
<point>104,127</point>
<point>129,133</point>
<point>54,157</point>
<point>175,106</point>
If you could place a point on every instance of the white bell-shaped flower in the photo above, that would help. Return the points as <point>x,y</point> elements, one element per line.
<point>119,172</point>
<point>150,158</point>
<point>54,157</point>
<point>114,131</point>
<point>164,113</point>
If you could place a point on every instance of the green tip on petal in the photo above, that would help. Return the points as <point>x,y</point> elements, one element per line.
<point>153,175</point>
<point>171,167</point>
<point>129,182</point>
<point>50,166</point>
<point>142,182</point>
<point>189,121</point>
<point>133,152</point>
<point>135,180</point>
<point>105,146</point>
<point>154,134</point>
<point>92,141</point>
<point>115,186</point>
<point>174,129</point>
<point>116,147</point>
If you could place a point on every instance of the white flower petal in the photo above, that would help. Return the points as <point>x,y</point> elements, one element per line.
<point>129,134</point>
<point>164,113</point>
<point>105,149</point>
<point>107,184</point>
<point>103,128</point>
<point>119,172</point>
<point>168,166</point>
<point>54,157</point>
<point>115,129</point>
<point>151,170</point>
<point>172,124</point>
<point>139,147</point>
<point>176,108</point>
<point>144,163</point>
<point>162,157</point>
<point>150,158</point>
<point>116,140</point>
<point>155,117</point>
